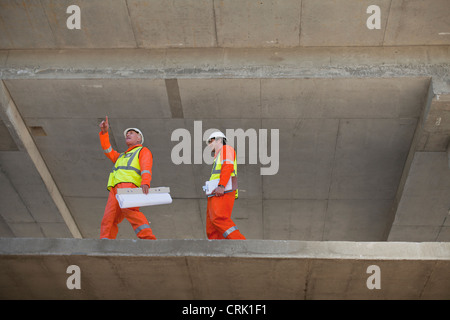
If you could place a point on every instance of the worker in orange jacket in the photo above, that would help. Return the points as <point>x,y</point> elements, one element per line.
<point>219,224</point>
<point>132,169</point>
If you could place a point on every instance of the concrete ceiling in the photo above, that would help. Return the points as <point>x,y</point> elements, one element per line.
<point>343,148</point>
<point>362,114</point>
<point>154,24</point>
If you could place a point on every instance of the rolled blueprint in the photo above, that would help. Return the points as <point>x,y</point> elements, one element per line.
<point>138,199</point>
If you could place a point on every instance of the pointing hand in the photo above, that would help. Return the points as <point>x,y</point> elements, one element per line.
<point>104,125</point>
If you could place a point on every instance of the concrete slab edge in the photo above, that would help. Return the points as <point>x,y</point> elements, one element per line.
<point>219,248</point>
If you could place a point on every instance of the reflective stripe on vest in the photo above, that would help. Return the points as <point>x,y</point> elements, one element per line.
<point>126,169</point>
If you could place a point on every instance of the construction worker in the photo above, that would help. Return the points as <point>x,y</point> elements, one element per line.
<point>220,203</point>
<point>132,169</point>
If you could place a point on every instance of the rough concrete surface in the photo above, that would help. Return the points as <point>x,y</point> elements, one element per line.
<point>205,269</point>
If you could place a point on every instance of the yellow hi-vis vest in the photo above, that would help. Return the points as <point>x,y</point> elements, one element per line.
<point>126,169</point>
<point>217,168</point>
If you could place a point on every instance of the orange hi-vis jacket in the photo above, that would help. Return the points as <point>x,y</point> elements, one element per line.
<point>145,158</point>
<point>224,165</point>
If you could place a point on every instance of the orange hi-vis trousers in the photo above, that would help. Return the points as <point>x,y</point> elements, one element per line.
<point>218,218</point>
<point>114,215</point>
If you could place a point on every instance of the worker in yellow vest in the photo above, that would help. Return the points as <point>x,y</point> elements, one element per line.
<point>220,203</point>
<point>132,169</point>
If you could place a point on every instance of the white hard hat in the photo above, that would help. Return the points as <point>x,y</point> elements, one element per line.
<point>216,134</point>
<point>136,130</point>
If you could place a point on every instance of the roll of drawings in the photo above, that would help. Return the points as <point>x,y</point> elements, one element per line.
<point>141,200</point>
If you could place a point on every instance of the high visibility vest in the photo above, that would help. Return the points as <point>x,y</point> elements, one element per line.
<point>217,168</point>
<point>126,169</point>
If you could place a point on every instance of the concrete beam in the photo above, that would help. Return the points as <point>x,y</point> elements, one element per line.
<point>406,169</point>
<point>18,129</point>
<point>202,269</point>
<point>423,210</point>
<point>311,62</point>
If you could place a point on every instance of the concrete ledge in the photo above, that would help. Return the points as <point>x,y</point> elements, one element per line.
<point>211,63</point>
<point>226,62</point>
<point>238,249</point>
<point>203,269</point>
